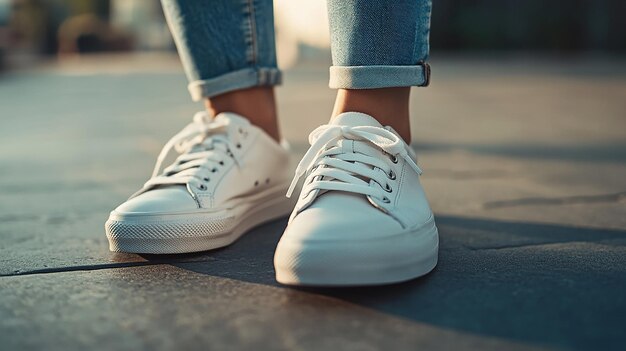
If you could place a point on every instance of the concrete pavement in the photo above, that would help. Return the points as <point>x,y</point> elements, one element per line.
<point>525,167</point>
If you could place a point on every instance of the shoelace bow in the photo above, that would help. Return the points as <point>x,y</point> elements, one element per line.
<point>332,169</point>
<point>203,145</point>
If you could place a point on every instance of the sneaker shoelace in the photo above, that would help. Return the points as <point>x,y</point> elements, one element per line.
<point>204,144</point>
<point>331,168</point>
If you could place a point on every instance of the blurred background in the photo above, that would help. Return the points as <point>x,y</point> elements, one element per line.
<point>521,135</point>
<point>35,30</point>
<point>90,86</point>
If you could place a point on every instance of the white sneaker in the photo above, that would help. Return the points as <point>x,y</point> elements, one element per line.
<point>230,177</point>
<point>362,217</point>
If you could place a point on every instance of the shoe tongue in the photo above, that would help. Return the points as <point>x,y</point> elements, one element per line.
<point>232,117</point>
<point>355,119</point>
<point>227,118</point>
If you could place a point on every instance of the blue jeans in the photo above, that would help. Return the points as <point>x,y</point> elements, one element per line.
<point>227,45</point>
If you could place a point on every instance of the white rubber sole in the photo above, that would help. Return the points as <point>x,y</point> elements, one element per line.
<point>391,259</point>
<point>196,231</point>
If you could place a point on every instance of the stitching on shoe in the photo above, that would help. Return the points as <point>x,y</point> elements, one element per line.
<point>400,185</point>
<point>210,197</point>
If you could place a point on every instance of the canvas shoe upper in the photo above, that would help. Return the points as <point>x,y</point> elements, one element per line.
<point>229,176</point>
<point>362,216</point>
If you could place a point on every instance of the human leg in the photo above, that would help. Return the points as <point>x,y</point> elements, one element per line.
<point>379,51</point>
<point>229,56</point>
<point>230,173</point>
<point>362,217</point>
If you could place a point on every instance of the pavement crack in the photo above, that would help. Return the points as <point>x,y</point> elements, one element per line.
<point>506,247</point>
<point>567,200</point>
<point>95,267</point>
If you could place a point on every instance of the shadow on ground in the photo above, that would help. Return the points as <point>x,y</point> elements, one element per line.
<point>537,283</point>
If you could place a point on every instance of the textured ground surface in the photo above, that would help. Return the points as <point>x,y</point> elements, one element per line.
<point>525,166</point>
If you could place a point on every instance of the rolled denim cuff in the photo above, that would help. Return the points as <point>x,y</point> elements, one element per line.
<point>241,79</point>
<point>373,77</point>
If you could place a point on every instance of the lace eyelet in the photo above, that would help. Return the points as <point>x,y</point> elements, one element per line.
<point>388,188</point>
<point>213,170</point>
<point>394,159</point>
<point>386,200</point>
<point>206,179</point>
<point>238,146</point>
<point>202,187</point>
<point>391,175</point>
<point>221,163</point>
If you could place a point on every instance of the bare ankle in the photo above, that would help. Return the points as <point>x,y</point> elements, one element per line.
<point>257,104</point>
<point>390,106</point>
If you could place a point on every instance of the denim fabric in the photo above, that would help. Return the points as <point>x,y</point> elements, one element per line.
<point>227,45</point>
<point>224,45</point>
<point>379,44</point>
